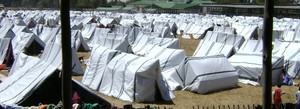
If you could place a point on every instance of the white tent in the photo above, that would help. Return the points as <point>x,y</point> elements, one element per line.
<point>27,42</point>
<point>163,30</point>
<point>6,32</point>
<point>18,29</point>
<point>223,29</point>
<point>297,32</point>
<point>121,29</point>
<point>250,46</point>
<point>96,37</point>
<point>247,31</point>
<point>19,62</point>
<point>96,65</point>
<point>208,48</point>
<point>24,81</point>
<point>291,53</point>
<point>206,74</point>
<point>113,41</point>
<point>48,33</point>
<point>77,41</point>
<point>88,30</point>
<point>106,21</point>
<point>226,38</point>
<point>126,76</point>
<point>5,43</point>
<point>249,66</point>
<point>53,55</point>
<point>168,58</point>
<point>145,38</point>
<point>288,35</point>
<point>37,29</point>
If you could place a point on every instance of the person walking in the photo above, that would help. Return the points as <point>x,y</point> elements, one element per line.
<point>298,99</point>
<point>277,96</point>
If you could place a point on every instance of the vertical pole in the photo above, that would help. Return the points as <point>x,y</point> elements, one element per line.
<point>267,50</point>
<point>66,54</point>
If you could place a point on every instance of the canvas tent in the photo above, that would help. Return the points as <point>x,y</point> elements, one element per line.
<point>126,76</point>
<point>249,66</point>
<point>28,43</point>
<point>77,41</point>
<point>106,21</point>
<point>204,74</point>
<point>53,55</point>
<point>287,35</point>
<point>145,38</point>
<point>113,41</point>
<point>96,37</point>
<point>208,48</point>
<point>229,30</point>
<point>48,34</point>
<point>18,29</point>
<point>6,32</point>
<point>247,31</point>
<point>88,30</point>
<point>4,49</point>
<point>226,38</point>
<point>291,53</point>
<point>21,84</point>
<point>168,58</point>
<point>19,62</point>
<point>96,65</point>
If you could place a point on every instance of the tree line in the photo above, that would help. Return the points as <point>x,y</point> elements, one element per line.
<point>96,3</point>
<point>55,3</point>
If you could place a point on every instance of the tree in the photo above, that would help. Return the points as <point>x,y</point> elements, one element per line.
<point>276,2</point>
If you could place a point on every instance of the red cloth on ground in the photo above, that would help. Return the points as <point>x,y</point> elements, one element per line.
<point>277,96</point>
<point>2,66</point>
<point>76,98</point>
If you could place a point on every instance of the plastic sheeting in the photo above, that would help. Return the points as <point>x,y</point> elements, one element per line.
<point>127,75</point>
<point>96,65</point>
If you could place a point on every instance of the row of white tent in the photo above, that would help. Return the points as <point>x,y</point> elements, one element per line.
<point>126,59</point>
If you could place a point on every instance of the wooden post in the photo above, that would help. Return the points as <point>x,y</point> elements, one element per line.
<point>267,53</point>
<point>66,54</point>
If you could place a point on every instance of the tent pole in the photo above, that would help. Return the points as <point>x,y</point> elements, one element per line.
<point>66,54</point>
<point>267,50</point>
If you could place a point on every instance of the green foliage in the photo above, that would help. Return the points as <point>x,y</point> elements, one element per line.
<point>53,3</point>
<point>277,2</point>
<point>227,1</point>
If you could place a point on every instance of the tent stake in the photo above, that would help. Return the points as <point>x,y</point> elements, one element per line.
<point>66,54</point>
<point>267,50</point>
